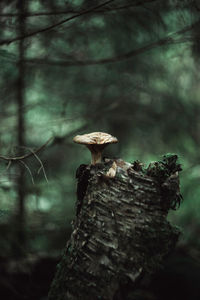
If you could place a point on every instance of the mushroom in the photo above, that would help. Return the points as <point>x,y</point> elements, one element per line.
<point>96,142</point>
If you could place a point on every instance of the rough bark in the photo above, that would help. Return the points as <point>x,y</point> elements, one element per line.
<point>120,232</point>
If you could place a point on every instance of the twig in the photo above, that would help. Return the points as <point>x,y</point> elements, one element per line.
<point>170,39</point>
<point>163,42</point>
<point>41,164</point>
<point>26,166</point>
<point>18,158</point>
<point>9,41</point>
<point>8,166</point>
<point>64,12</point>
<point>40,168</point>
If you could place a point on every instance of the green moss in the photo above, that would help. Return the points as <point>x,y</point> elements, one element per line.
<point>164,168</point>
<point>164,171</point>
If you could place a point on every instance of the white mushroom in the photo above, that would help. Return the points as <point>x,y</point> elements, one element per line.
<point>96,142</point>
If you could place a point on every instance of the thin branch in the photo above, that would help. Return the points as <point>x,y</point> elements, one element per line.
<point>41,164</point>
<point>8,166</point>
<point>26,166</point>
<point>162,42</point>
<point>18,158</point>
<point>64,12</point>
<point>40,168</point>
<point>30,34</point>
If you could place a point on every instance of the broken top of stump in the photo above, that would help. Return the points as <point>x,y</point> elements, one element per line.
<point>96,142</point>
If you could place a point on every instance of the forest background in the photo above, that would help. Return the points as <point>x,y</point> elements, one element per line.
<point>129,68</point>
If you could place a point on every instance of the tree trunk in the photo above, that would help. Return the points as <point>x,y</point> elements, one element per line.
<point>120,232</point>
<point>21,188</point>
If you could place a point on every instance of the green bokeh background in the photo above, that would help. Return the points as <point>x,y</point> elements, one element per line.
<point>149,101</point>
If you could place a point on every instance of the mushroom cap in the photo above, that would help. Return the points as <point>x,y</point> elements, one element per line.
<point>95,138</point>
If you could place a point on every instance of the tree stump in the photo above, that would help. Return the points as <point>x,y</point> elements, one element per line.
<point>120,232</point>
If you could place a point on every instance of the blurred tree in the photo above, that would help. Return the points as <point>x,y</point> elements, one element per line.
<point>21,131</point>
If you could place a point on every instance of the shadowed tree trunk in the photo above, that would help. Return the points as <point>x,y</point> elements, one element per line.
<point>120,233</point>
<point>21,131</point>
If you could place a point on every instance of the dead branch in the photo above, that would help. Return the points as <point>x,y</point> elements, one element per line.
<point>41,164</point>
<point>65,12</point>
<point>30,34</point>
<point>29,170</point>
<point>168,40</point>
<point>20,158</point>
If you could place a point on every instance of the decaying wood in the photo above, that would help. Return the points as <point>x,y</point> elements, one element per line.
<point>120,232</point>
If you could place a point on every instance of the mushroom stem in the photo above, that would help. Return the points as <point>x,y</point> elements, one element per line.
<point>96,157</point>
<point>96,152</point>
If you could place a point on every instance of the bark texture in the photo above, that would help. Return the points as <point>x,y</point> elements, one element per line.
<point>120,232</point>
